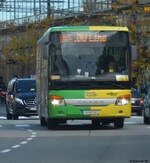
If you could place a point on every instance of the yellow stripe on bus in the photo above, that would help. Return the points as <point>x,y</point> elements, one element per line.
<point>108,28</point>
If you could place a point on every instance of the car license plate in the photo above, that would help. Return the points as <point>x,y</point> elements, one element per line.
<point>133,102</point>
<point>33,109</point>
<point>90,112</point>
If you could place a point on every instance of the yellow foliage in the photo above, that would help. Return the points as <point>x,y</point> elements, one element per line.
<point>123,1</point>
<point>25,44</point>
<point>133,1</point>
<point>133,28</point>
<point>115,8</point>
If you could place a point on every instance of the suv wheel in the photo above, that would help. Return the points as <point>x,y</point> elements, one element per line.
<point>42,121</point>
<point>145,118</point>
<point>15,117</point>
<point>9,116</point>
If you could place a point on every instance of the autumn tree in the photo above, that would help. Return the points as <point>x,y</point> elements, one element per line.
<point>132,14</point>
<point>21,46</point>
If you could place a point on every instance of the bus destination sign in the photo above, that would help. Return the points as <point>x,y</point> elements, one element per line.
<point>82,37</point>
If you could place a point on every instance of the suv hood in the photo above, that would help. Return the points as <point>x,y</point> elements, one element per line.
<point>26,95</point>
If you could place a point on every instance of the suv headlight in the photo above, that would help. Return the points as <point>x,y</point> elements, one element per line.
<point>123,100</point>
<point>57,100</point>
<point>18,100</point>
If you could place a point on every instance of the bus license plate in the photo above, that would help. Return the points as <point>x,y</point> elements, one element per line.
<point>90,112</point>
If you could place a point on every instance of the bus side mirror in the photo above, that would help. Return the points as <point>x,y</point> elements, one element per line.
<point>134,53</point>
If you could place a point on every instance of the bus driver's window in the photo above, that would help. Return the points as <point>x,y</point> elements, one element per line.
<point>110,66</point>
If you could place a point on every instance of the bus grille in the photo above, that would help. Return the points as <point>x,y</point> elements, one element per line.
<point>91,102</point>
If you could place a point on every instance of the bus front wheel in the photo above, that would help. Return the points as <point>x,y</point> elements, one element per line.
<point>95,122</point>
<point>118,122</point>
<point>51,123</point>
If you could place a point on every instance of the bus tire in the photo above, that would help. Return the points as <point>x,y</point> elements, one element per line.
<point>95,122</point>
<point>118,122</point>
<point>139,113</point>
<point>42,121</point>
<point>51,124</point>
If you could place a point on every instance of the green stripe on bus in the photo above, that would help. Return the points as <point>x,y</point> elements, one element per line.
<point>73,28</point>
<point>68,94</point>
<point>67,111</point>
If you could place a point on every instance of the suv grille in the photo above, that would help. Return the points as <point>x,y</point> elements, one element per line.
<point>30,102</point>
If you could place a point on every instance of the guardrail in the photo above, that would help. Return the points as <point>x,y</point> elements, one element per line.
<point>62,13</point>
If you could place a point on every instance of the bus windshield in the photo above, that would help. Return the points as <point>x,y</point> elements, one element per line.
<point>83,55</point>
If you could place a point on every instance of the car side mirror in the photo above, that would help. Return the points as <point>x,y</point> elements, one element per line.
<point>11,95</point>
<point>134,53</point>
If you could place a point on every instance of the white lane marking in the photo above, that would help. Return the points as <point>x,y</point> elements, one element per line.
<point>16,146</point>
<point>1,117</point>
<point>23,142</point>
<point>21,117</point>
<point>33,135</point>
<point>78,123</point>
<point>137,117</point>
<point>1,126</point>
<point>130,122</point>
<point>5,150</point>
<point>148,127</point>
<point>22,125</point>
<point>28,139</point>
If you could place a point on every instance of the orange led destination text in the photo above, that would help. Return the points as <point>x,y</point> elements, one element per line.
<point>83,38</point>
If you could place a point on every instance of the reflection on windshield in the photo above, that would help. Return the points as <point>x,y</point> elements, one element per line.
<point>94,63</point>
<point>79,61</point>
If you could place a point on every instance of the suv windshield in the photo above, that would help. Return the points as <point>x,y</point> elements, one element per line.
<point>24,86</point>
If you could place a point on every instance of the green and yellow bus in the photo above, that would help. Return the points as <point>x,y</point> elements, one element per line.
<point>73,77</point>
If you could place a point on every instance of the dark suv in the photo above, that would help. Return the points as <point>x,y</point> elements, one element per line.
<point>137,102</point>
<point>21,98</point>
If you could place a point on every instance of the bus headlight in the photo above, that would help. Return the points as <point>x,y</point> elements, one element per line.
<point>57,100</point>
<point>123,100</point>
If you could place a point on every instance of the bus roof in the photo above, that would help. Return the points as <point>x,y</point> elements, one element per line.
<point>88,28</point>
<point>45,37</point>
